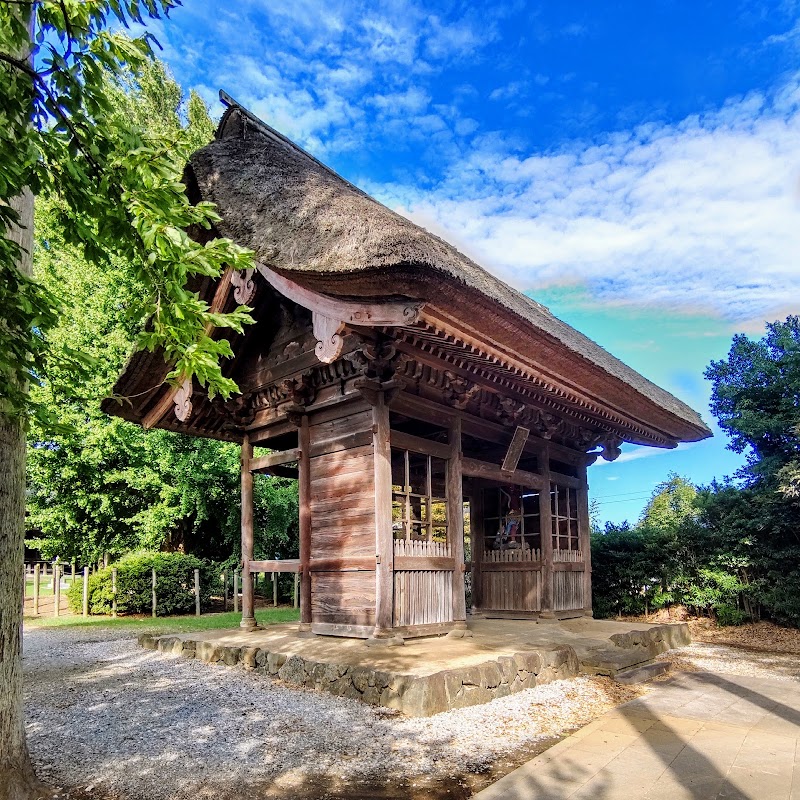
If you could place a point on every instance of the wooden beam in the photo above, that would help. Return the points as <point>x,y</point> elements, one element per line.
<point>276,565</point>
<point>474,468</point>
<point>347,564</point>
<point>402,563</point>
<point>455,520</point>
<point>248,615</point>
<point>349,312</point>
<point>304,500</point>
<point>264,463</point>
<point>407,441</point>
<point>384,536</point>
<point>515,449</point>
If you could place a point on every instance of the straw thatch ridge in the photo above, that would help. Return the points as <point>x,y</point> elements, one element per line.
<point>303,219</point>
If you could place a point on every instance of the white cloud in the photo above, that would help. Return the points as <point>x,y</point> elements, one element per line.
<point>704,213</point>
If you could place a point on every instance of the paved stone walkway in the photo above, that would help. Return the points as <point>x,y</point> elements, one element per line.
<point>698,736</point>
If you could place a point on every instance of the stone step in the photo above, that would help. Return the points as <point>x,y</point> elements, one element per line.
<point>610,661</point>
<point>642,673</point>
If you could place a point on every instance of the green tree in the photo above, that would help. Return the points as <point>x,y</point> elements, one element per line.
<point>61,133</point>
<point>755,395</point>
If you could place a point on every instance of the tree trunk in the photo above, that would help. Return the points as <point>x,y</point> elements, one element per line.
<point>17,780</point>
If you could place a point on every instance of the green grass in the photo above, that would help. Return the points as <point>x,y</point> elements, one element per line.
<point>137,624</point>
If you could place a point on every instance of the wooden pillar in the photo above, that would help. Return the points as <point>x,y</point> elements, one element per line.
<point>584,530</point>
<point>384,537</point>
<point>248,615</point>
<point>304,491</point>
<point>476,534</point>
<point>545,520</point>
<point>455,521</point>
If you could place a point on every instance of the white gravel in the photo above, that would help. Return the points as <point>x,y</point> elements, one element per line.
<point>104,715</point>
<point>734,661</point>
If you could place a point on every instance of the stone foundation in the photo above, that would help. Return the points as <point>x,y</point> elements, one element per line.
<point>434,675</point>
<point>414,695</point>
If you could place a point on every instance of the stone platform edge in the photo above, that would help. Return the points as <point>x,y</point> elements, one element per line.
<point>414,695</point>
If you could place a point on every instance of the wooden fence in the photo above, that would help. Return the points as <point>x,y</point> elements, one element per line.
<point>54,575</point>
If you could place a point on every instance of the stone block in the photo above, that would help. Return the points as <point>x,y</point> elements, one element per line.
<point>452,684</point>
<point>189,646</point>
<point>166,644</point>
<point>372,696</point>
<point>471,676</point>
<point>274,662</point>
<point>341,687</point>
<point>503,690</point>
<point>530,661</point>
<point>334,671</point>
<point>379,679</point>
<point>148,641</point>
<point>293,671</point>
<point>424,697</point>
<point>248,657</point>
<point>360,677</point>
<point>208,652</point>
<point>230,655</point>
<point>491,677</point>
<point>508,667</point>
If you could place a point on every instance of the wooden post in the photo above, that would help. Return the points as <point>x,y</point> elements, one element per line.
<point>225,590</point>
<point>236,591</point>
<point>248,616</point>
<point>72,573</point>
<point>275,589</point>
<point>154,592</point>
<point>584,529</point>
<point>57,592</point>
<point>546,524</point>
<point>476,532</point>
<point>384,536</point>
<point>296,595</point>
<point>105,560</point>
<point>197,592</point>
<point>114,592</point>
<point>86,591</point>
<point>55,565</point>
<point>304,492</point>
<point>36,578</point>
<point>455,521</point>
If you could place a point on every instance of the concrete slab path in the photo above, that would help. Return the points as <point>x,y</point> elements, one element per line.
<point>697,736</point>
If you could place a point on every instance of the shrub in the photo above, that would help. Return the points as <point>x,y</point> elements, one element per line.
<point>174,585</point>
<point>730,615</point>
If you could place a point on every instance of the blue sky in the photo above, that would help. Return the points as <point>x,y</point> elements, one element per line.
<point>634,166</point>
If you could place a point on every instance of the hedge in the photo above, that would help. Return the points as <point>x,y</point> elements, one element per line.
<point>174,585</point>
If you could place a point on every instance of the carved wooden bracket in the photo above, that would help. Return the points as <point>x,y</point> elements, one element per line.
<point>380,361</point>
<point>327,332</point>
<point>370,389</point>
<point>244,287</point>
<point>183,400</point>
<point>330,314</point>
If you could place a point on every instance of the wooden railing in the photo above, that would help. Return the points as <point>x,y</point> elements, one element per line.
<point>567,556</point>
<point>412,547</point>
<point>513,556</point>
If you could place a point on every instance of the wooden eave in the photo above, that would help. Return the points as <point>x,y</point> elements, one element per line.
<point>505,344</point>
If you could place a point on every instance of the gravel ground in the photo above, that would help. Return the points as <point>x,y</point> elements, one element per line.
<point>109,719</point>
<point>733,661</point>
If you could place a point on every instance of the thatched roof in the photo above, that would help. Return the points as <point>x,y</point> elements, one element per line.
<point>307,222</point>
